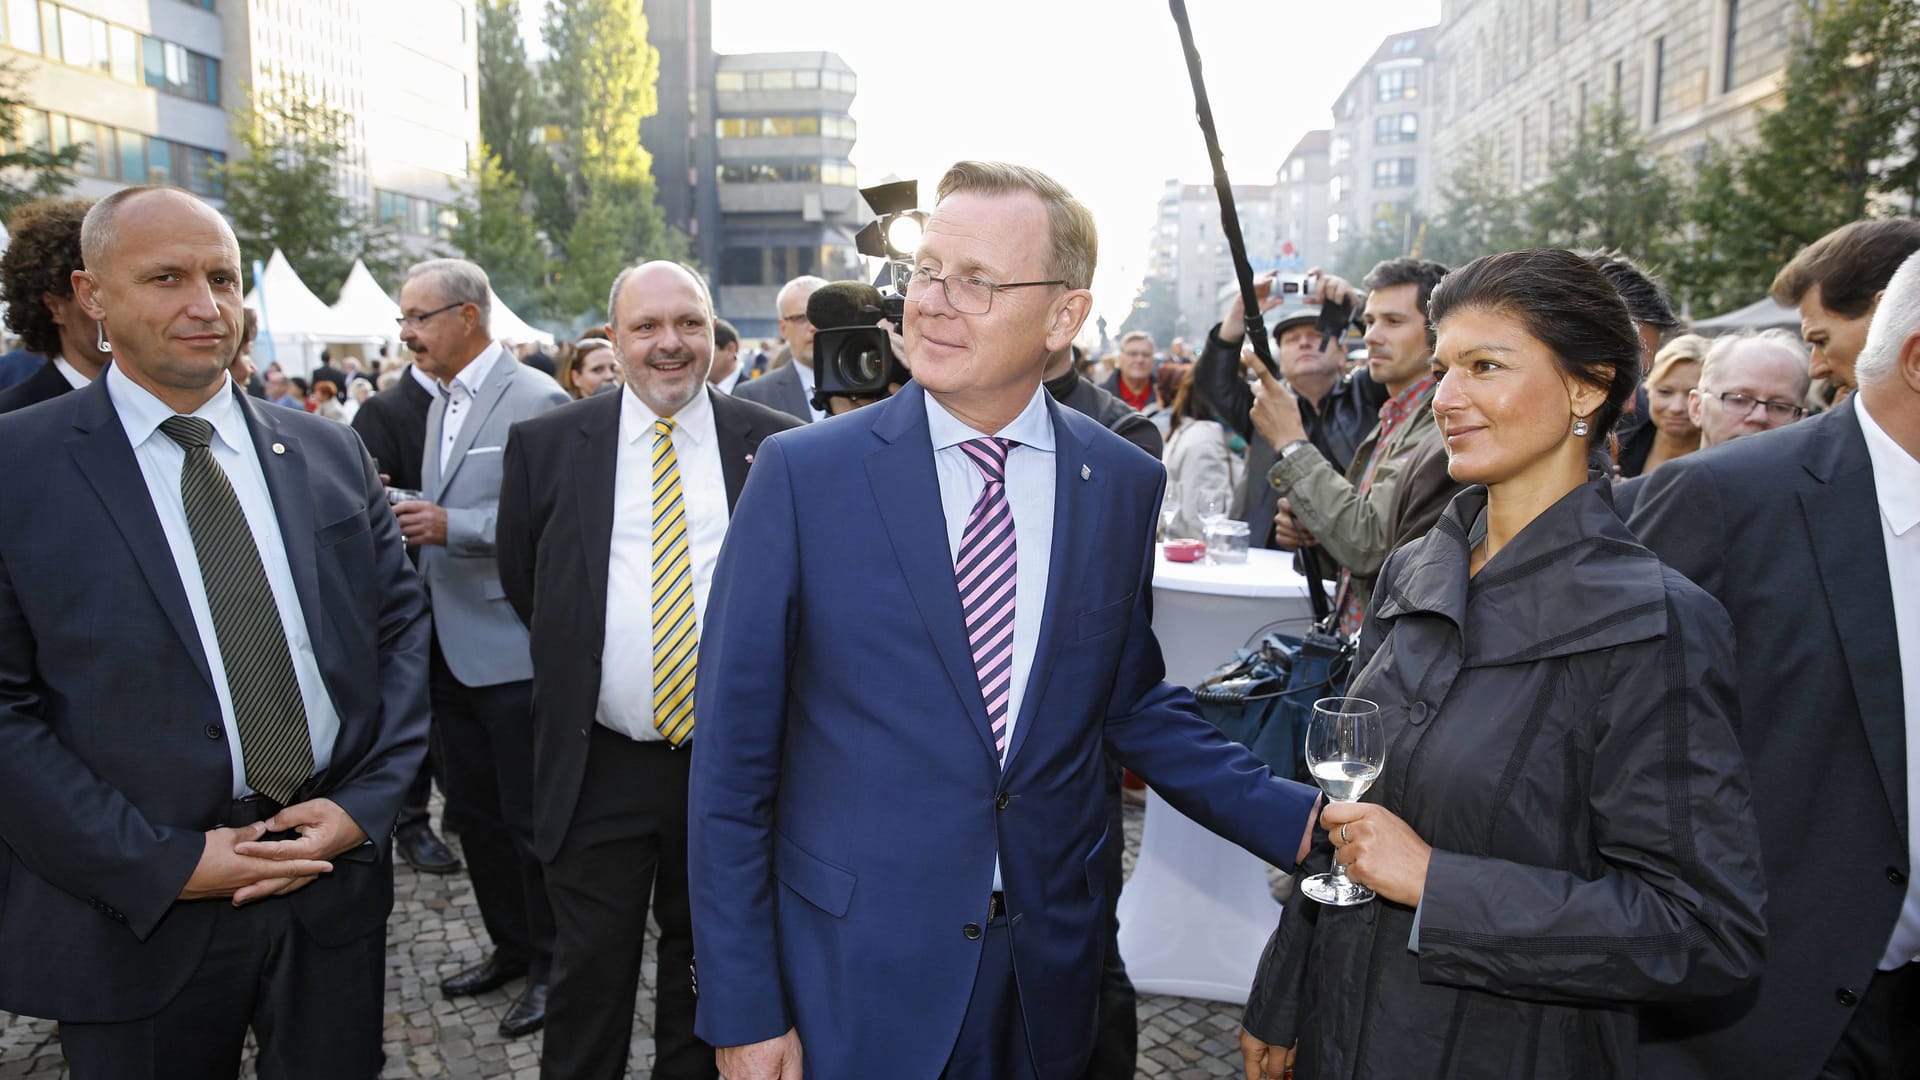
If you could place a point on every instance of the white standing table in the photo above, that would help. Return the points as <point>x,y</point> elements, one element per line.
<point>1196,913</point>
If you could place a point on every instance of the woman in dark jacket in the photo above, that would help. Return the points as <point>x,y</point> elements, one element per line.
<point>1561,836</point>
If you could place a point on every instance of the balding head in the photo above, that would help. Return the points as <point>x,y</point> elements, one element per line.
<point>656,270</point>
<point>99,232</point>
<point>1768,370</point>
<point>663,330</point>
<point>795,330</point>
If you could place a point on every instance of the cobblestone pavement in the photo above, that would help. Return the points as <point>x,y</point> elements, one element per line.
<point>434,933</point>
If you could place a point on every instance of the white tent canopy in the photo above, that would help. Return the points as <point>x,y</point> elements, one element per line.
<point>294,324</point>
<point>365,306</point>
<point>1762,314</point>
<point>508,327</point>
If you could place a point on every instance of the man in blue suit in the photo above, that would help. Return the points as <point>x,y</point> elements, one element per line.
<point>202,749</point>
<point>897,764</point>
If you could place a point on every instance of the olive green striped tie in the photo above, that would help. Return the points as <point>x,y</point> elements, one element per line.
<point>267,708</point>
<point>676,635</point>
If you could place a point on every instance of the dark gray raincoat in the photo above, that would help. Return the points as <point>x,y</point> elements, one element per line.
<point>1559,729</point>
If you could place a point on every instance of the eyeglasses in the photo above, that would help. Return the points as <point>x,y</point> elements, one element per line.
<point>794,319</point>
<point>1744,403</point>
<point>418,320</point>
<point>968,295</point>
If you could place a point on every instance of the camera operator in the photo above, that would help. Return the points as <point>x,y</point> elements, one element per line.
<point>1337,410</point>
<point>859,356</point>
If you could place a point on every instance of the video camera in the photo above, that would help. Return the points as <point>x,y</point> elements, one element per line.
<point>853,357</point>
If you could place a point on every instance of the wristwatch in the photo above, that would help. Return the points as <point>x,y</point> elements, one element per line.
<point>1293,447</point>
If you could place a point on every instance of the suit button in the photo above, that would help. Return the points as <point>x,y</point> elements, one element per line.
<point>1003,800</point>
<point>583,733</point>
<point>1895,875</point>
<point>1846,997</point>
<point>214,731</point>
<point>1418,714</point>
<point>971,931</point>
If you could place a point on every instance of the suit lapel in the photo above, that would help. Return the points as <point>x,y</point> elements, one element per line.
<point>101,451</point>
<point>1076,511</point>
<point>907,490</point>
<point>797,393</point>
<point>735,436</point>
<point>1843,525</point>
<point>492,389</point>
<point>593,490</point>
<point>430,448</point>
<point>288,487</point>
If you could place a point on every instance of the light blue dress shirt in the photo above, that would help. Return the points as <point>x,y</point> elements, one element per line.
<point>1030,487</point>
<point>161,460</point>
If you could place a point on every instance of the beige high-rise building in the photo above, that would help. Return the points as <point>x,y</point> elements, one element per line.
<point>1515,76</point>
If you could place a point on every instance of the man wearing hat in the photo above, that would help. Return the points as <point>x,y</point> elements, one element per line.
<point>1336,411</point>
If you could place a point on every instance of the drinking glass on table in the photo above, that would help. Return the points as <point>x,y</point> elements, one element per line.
<point>1213,508</point>
<point>1346,746</point>
<point>1169,509</point>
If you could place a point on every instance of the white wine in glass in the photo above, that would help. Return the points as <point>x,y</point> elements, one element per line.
<point>1346,746</point>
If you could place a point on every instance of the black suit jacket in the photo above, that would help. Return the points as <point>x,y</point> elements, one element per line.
<point>393,424</point>
<point>113,759</point>
<point>553,539</point>
<point>1783,527</point>
<point>45,384</point>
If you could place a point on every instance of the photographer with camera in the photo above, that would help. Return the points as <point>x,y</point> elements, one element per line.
<point>1350,516</point>
<point>857,349</point>
<point>1336,411</point>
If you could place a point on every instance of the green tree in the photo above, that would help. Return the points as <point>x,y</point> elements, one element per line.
<point>29,169</point>
<point>1607,189</point>
<point>1156,309</point>
<point>603,75</point>
<point>495,231</point>
<point>283,190</point>
<point>1840,146</point>
<point>1480,213</point>
<point>511,110</point>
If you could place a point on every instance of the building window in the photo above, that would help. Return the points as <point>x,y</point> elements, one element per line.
<point>1340,149</point>
<point>793,172</point>
<point>1405,45</point>
<point>1393,172</point>
<point>413,215</point>
<point>76,38</point>
<point>1334,228</point>
<point>724,81</point>
<point>1396,127</point>
<point>1336,187</point>
<point>1398,84</point>
<point>1733,35</point>
<point>1659,77</point>
<point>832,127</point>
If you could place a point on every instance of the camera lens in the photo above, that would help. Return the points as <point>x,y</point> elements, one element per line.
<point>866,368</point>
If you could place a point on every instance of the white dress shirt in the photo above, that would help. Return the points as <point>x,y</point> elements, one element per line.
<point>1896,484</point>
<point>73,376</point>
<point>425,380</point>
<point>805,371</point>
<point>460,392</point>
<point>732,380</point>
<point>161,461</point>
<point>626,668</point>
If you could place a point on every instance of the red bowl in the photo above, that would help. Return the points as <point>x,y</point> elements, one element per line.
<point>1184,550</point>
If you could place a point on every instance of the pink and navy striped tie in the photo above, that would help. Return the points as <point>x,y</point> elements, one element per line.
<point>986,571</point>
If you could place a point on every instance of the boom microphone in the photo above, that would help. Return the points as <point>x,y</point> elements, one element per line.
<point>845,303</point>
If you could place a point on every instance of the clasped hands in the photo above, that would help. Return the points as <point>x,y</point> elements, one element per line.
<point>237,863</point>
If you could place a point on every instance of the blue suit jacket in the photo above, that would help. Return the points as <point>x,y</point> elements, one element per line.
<point>113,760</point>
<point>847,805</point>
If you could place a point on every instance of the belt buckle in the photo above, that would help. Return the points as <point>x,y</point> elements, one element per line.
<point>996,905</point>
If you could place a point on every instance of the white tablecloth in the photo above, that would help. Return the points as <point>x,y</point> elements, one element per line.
<point>1196,913</point>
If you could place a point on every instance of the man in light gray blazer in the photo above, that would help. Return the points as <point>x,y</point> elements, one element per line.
<point>790,388</point>
<point>481,671</point>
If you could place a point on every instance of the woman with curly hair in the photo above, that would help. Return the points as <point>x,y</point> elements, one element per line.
<point>36,281</point>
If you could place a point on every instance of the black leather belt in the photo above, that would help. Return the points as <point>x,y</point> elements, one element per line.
<point>247,811</point>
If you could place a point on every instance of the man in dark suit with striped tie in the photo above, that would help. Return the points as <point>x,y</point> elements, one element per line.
<point>202,749</point>
<point>612,510</point>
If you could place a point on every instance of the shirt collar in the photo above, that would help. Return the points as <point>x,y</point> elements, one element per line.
<point>141,413</point>
<point>425,380</point>
<point>1399,405</point>
<point>71,373</point>
<point>1896,475</point>
<point>637,420</point>
<point>1033,427</point>
<point>476,373</point>
<point>806,376</point>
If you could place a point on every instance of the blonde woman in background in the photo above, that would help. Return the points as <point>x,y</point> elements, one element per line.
<point>1669,431</point>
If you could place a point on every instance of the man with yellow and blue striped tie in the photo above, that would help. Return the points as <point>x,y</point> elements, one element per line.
<point>612,510</point>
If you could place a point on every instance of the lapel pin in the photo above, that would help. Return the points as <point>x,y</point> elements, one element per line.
<point>1086,472</point>
<point>279,448</point>
<point>749,459</point>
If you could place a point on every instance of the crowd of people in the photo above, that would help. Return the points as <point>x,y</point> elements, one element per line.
<point>839,694</point>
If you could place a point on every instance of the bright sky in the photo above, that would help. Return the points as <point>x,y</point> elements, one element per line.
<point>1094,92</point>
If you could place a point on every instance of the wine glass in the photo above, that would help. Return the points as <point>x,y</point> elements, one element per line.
<point>1346,747</point>
<point>1169,509</point>
<point>1213,507</point>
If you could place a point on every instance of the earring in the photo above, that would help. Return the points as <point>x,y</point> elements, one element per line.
<point>100,338</point>
<point>1580,428</point>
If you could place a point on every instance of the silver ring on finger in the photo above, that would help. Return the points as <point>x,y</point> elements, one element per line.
<point>1344,838</point>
